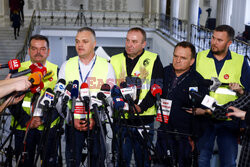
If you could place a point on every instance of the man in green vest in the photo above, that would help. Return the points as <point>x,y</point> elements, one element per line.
<point>38,52</point>
<point>94,71</point>
<point>135,61</point>
<point>228,67</point>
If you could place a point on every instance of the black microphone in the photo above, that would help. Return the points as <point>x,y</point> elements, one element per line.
<point>48,97</point>
<point>74,94</point>
<point>58,90</point>
<point>104,94</point>
<point>116,91</point>
<point>67,93</point>
<point>213,84</point>
<point>126,93</point>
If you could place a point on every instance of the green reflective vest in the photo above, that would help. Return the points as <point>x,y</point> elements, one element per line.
<point>143,69</point>
<point>230,73</point>
<point>47,84</point>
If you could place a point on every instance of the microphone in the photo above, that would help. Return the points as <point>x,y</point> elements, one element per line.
<point>115,91</point>
<point>32,68</point>
<point>218,111</point>
<point>156,91</point>
<point>35,78</point>
<point>67,93</point>
<point>74,94</point>
<point>129,93</point>
<point>59,89</point>
<point>84,93</point>
<point>135,81</point>
<point>118,103</point>
<point>104,94</point>
<point>48,98</point>
<point>13,64</point>
<point>105,89</point>
<point>33,89</point>
<point>214,83</point>
<point>43,102</point>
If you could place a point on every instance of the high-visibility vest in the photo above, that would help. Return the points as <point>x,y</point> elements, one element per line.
<point>230,73</point>
<point>97,78</point>
<point>47,84</point>
<point>144,64</point>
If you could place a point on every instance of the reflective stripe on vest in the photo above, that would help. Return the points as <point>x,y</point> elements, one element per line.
<point>230,73</point>
<point>144,64</point>
<point>95,81</point>
<point>47,84</point>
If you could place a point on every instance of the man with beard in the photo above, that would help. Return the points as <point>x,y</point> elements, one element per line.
<point>228,67</point>
<point>22,116</point>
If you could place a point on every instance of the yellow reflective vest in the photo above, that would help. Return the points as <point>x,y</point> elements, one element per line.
<point>95,81</point>
<point>26,105</point>
<point>230,73</point>
<point>143,69</point>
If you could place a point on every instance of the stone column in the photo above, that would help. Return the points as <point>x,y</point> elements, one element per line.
<point>224,11</point>
<point>193,9</point>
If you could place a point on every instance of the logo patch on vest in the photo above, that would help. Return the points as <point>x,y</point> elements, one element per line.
<point>50,79</point>
<point>137,73</point>
<point>146,62</point>
<point>226,76</point>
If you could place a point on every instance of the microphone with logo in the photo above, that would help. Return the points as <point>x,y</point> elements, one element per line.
<point>156,91</point>
<point>129,94</point>
<point>74,96</point>
<point>219,112</point>
<point>58,90</point>
<point>32,68</point>
<point>13,65</point>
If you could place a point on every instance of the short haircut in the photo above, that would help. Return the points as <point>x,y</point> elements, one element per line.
<point>140,30</point>
<point>87,29</point>
<point>39,37</point>
<point>189,45</point>
<point>228,29</point>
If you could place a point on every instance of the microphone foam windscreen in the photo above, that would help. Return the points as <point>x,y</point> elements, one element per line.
<point>118,103</point>
<point>35,78</point>
<point>115,91</point>
<point>14,64</point>
<point>36,88</point>
<point>105,87</point>
<point>155,89</point>
<point>61,81</point>
<point>123,85</point>
<point>75,91</point>
<point>84,85</point>
<point>101,96</point>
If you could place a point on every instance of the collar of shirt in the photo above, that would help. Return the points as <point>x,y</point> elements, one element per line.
<point>228,56</point>
<point>130,63</point>
<point>86,68</point>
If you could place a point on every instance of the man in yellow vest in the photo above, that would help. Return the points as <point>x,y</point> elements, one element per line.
<point>137,62</point>
<point>38,52</point>
<point>87,68</point>
<point>228,67</point>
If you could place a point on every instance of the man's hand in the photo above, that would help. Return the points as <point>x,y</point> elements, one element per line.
<point>199,111</point>
<point>11,101</point>
<point>81,125</point>
<point>35,122</point>
<point>22,84</point>
<point>138,108</point>
<point>237,88</point>
<point>236,112</point>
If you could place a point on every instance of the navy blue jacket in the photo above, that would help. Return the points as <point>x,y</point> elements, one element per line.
<point>179,119</point>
